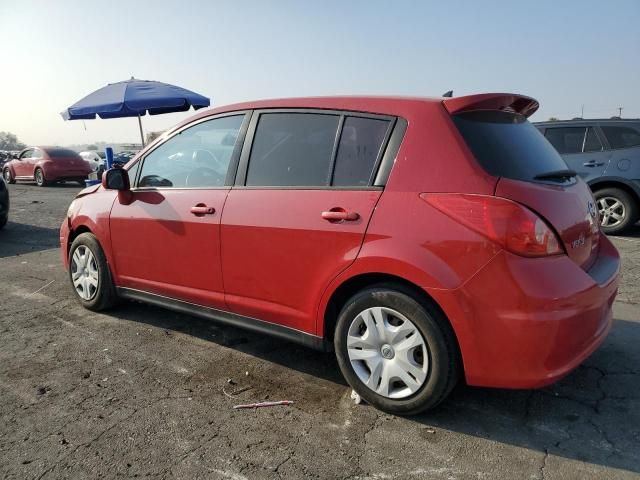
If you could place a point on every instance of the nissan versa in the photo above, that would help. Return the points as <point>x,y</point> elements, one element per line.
<point>424,240</point>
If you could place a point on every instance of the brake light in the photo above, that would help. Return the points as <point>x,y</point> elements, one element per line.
<point>509,224</point>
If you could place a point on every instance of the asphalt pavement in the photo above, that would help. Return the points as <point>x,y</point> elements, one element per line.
<point>144,392</point>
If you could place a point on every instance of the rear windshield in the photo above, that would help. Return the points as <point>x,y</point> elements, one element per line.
<point>507,145</point>
<point>61,152</point>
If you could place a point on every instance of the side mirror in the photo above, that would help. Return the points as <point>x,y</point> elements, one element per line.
<point>116,179</point>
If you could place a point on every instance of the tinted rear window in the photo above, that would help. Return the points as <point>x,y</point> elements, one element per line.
<point>622,137</point>
<point>507,145</point>
<point>359,148</point>
<point>292,149</point>
<point>61,153</point>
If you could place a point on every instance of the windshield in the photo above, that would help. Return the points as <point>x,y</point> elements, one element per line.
<point>507,145</point>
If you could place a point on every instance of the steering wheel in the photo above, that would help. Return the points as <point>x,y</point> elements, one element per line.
<point>204,177</point>
<point>210,159</point>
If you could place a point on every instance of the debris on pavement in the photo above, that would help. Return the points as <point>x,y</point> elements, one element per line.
<point>42,288</point>
<point>357,399</point>
<point>263,404</point>
<point>235,393</point>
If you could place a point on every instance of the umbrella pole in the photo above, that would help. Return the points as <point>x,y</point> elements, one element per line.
<point>141,134</point>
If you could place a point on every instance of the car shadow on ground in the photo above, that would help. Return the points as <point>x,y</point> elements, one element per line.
<point>590,415</point>
<point>21,238</point>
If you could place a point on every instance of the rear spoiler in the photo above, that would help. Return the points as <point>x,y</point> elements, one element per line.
<point>509,102</point>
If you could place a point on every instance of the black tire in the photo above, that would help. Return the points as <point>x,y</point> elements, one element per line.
<point>7,176</point>
<point>443,355</point>
<point>105,296</point>
<point>630,206</point>
<point>38,176</point>
<point>3,221</point>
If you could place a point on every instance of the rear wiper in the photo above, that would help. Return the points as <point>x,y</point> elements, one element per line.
<point>556,174</point>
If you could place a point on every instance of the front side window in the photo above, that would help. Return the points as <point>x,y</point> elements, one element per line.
<point>360,146</point>
<point>26,154</point>
<point>197,157</point>
<point>292,149</point>
<point>566,140</point>
<point>621,137</point>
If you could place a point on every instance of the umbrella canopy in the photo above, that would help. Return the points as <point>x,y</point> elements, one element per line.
<point>132,98</point>
<point>135,98</point>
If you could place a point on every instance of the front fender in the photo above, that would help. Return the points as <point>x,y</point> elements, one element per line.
<point>92,212</point>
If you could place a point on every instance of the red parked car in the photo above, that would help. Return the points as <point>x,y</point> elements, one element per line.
<point>45,165</point>
<point>424,240</point>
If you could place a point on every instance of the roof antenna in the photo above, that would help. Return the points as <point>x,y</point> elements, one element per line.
<point>448,94</point>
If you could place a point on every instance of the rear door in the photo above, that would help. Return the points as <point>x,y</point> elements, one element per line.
<point>166,237</point>
<point>582,149</point>
<point>624,142</point>
<point>299,210</point>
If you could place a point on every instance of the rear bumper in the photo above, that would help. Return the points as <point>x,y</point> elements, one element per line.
<point>52,173</point>
<point>75,174</point>
<point>526,323</point>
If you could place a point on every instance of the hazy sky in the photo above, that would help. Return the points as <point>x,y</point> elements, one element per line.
<point>563,53</point>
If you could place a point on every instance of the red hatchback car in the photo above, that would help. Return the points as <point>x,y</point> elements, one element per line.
<point>424,240</point>
<point>45,165</point>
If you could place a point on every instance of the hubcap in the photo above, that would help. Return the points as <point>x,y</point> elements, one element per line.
<point>39,176</point>
<point>387,352</point>
<point>611,210</point>
<point>84,273</point>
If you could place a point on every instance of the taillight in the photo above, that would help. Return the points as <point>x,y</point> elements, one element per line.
<point>509,224</point>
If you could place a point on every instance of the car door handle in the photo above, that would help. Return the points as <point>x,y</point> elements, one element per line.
<point>340,215</point>
<point>593,163</point>
<point>202,209</point>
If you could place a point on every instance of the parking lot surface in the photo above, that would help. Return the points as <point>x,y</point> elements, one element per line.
<point>143,392</point>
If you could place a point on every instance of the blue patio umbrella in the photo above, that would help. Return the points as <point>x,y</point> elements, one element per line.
<point>135,98</point>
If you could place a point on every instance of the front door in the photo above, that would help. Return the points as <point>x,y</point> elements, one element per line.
<point>299,214</point>
<point>166,237</point>
<point>23,167</point>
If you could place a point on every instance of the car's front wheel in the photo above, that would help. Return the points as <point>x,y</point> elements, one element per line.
<point>397,352</point>
<point>618,210</point>
<point>89,273</point>
<point>7,176</point>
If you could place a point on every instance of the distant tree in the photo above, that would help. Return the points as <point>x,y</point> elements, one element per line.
<point>151,136</point>
<point>553,119</point>
<point>92,147</point>
<point>8,141</point>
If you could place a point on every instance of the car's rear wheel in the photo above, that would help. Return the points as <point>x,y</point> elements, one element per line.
<point>395,351</point>
<point>89,273</point>
<point>618,210</point>
<point>7,176</point>
<point>39,177</point>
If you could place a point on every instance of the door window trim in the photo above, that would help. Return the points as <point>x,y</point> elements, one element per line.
<point>233,161</point>
<point>241,176</point>
<point>603,138</point>
<point>586,128</point>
